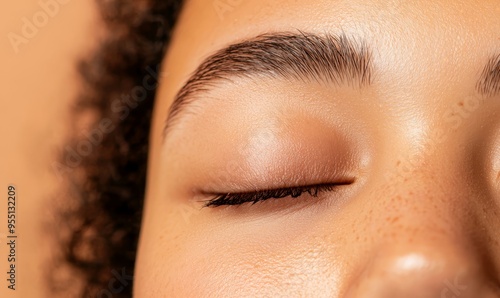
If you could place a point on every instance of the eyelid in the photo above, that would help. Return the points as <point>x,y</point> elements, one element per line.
<point>233,199</point>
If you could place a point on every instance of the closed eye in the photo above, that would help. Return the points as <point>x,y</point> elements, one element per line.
<point>238,198</point>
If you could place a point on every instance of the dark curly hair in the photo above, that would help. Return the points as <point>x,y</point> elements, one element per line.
<point>105,172</point>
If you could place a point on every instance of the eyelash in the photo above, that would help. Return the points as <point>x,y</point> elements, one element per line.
<point>232,199</point>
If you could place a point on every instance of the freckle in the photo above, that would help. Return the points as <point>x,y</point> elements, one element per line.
<point>398,163</point>
<point>461,103</point>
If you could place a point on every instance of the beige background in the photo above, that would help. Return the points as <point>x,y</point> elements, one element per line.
<point>38,83</point>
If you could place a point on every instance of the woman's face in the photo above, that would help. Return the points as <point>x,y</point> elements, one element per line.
<point>382,116</point>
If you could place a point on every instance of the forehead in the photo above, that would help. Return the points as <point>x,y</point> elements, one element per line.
<point>421,49</point>
<point>413,42</point>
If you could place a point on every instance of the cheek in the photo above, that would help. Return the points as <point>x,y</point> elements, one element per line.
<point>254,259</point>
<point>251,270</point>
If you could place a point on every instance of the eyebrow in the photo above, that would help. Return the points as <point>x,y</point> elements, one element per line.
<point>300,56</point>
<point>489,81</point>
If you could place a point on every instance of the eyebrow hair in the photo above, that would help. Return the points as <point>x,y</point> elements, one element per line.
<point>300,56</point>
<point>489,82</point>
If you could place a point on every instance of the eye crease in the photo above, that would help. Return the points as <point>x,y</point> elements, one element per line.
<point>239,198</point>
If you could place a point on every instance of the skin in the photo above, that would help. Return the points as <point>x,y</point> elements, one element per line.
<point>420,220</point>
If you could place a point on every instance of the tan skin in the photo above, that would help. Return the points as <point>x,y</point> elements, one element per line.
<point>422,217</point>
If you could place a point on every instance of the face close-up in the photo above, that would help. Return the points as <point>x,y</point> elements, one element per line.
<point>325,149</point>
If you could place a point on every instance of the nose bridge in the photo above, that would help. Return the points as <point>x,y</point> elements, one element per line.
<point>426,195</point>
<point>429,216</point>
<point>437,179</point>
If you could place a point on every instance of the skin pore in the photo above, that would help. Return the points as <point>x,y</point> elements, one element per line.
<point>409,154</point>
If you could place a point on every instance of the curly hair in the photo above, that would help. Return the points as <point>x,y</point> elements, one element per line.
<point>107,177</point>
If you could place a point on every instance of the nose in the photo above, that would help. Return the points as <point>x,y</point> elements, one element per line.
<point>435,249</point>
<point>441,271</point>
